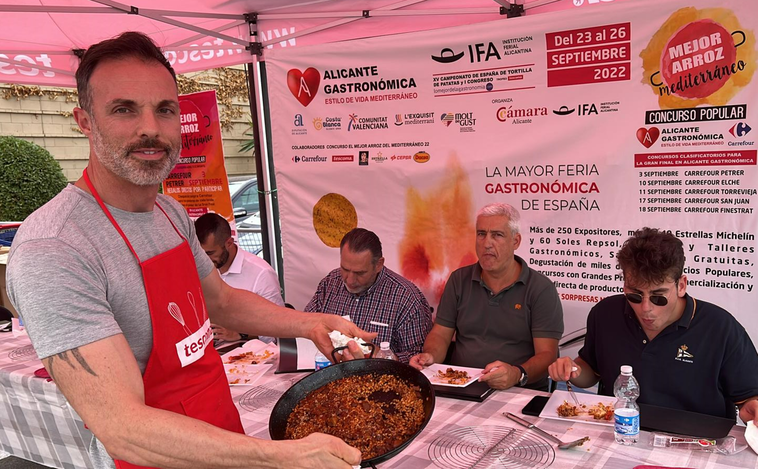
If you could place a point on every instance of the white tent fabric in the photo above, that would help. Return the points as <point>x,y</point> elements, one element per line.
<point>39,38</point>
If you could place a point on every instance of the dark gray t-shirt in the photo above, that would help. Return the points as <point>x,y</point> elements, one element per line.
<point>499,326</point>
<point>74,281</point>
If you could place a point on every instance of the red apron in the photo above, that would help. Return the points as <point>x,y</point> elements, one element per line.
<point>184,373</point>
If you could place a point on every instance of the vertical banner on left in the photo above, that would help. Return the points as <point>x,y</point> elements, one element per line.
<point>199,180</point>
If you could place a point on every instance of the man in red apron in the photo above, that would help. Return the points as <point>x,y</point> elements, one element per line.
<point>139,359</point>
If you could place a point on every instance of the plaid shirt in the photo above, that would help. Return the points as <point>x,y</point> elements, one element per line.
<point>392,300</point>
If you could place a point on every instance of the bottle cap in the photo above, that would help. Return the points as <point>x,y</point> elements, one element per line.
<point>626,369</point>
<point>384,345</point>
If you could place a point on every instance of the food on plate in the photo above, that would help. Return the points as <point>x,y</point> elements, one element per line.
<point>598,411</point>
<point>601,411</point>
<point>452,376</point>
<point>375,413</point>
<point>250,358</point>
<point>240,381</point>
<point>568,410</point>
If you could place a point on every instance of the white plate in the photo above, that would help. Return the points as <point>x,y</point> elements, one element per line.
<point>432,370</point>
<point>550,411</point>
<point>244,375</point>
<point>259,350</point>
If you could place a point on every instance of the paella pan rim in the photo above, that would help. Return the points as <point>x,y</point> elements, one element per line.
<point>287,402</point>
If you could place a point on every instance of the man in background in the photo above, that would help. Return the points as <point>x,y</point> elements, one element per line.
<point>506,317</point>
<point>686,353</point>
<point>238,268</point>
<point>376,298</point>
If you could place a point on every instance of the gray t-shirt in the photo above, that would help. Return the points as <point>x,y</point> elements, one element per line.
<point>74,281</point>
<point>501,325</point>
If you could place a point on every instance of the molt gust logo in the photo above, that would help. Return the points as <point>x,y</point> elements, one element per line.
<point>649,136</point>
<point>303,85</point>
<point>695,58</point>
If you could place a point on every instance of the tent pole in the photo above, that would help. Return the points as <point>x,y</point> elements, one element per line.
<point>260,173</point>
<point>267,189</point>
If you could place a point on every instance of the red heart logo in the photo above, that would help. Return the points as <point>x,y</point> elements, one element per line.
<point>303,85</point>
<point>648,137</point>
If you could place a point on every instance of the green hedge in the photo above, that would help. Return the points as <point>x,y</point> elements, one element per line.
<point>29,177</point>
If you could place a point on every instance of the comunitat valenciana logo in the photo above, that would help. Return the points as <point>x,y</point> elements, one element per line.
<point>303,85</point>
<point>699,57</point>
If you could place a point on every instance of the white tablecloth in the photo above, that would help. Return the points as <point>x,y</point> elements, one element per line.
<point>36,423</point>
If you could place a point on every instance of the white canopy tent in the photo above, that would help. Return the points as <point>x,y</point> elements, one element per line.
<point>40,40</point>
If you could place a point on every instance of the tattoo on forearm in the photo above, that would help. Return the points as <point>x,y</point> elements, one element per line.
<point>51,362</point>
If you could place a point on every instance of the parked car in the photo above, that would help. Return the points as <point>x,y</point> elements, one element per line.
<point>244,197</point>
<point>247,216</point>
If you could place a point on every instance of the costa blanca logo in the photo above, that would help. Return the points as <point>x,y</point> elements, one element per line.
<point>329,123</point>
<point>332,123</point>
<point>303,85</point>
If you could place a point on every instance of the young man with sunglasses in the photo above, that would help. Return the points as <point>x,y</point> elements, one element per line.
<point>687,354</point>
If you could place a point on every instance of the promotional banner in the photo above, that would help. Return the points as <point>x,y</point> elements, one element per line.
<point>593,123</point>
<point>199,180</point>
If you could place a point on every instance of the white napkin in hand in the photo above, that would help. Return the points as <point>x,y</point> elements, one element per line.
<point>751,435</point>
<point>340,340</point>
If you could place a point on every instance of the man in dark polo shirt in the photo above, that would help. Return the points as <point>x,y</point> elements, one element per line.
<point>687,354</point>
<point>506,317</point>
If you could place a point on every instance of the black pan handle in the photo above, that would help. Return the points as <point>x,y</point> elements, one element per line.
<point>334,352</point>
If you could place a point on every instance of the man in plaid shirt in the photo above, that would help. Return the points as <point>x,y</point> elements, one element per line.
<point>376,298</point>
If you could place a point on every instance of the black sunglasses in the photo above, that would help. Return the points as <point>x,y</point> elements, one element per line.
<point>636,298</point>
<point>657,300</point>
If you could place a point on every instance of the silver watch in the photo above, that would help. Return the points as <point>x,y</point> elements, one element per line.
<point>524,377</point>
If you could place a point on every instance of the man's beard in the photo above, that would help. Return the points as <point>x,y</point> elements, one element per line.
<point>119,161</point>
<point>223,259</point>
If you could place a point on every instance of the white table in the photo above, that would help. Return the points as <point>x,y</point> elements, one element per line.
<point>36,423</point>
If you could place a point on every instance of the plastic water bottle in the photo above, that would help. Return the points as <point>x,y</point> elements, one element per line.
<point>321,361</point>
<point>626,412</point>
<point>385,352</point>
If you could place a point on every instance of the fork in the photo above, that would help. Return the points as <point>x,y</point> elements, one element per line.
<point>531,426</point>
<point>571,390</point>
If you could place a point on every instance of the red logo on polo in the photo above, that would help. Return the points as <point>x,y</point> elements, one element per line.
<point>304,85</point>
